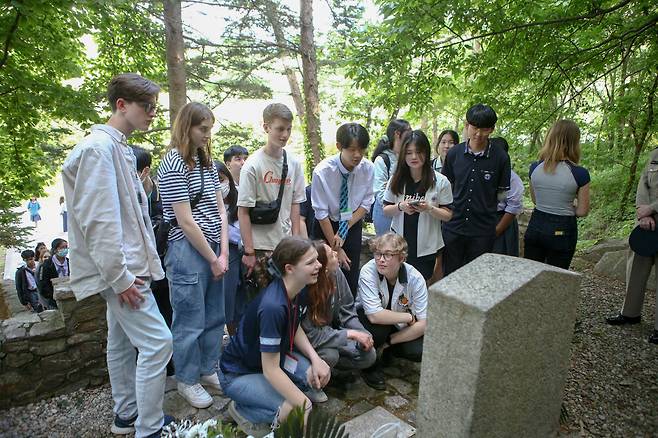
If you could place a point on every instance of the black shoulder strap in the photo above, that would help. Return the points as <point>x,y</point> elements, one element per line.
<point>284,174</point>
<point>195,201</point>
<point>387,161</point>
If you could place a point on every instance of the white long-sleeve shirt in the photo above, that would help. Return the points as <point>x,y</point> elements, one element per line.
<point>110,234</point>
<point>327,180</point>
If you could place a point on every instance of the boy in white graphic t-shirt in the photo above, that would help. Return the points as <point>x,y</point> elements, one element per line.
<point>260,180</point>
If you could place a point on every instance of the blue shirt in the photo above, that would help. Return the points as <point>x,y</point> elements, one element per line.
<point>265,327</point>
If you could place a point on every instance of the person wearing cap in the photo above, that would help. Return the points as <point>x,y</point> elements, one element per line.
<point>644,251</point>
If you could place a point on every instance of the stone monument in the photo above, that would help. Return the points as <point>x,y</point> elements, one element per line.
<point>496,350</point>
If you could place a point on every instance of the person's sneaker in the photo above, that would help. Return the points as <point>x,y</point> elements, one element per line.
<point>316,395</point>
<point>211,382</point>
<point>123,427</point>
<point>167,419</point>
<point>620,319</point>
<point>653,337</point>
<point>258,430</point>
<point>195,395</point>
<point>374,378</point>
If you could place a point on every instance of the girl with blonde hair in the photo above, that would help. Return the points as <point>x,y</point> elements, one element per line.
<point>560,190</point>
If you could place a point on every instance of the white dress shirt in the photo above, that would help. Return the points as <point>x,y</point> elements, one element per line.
<point>325,188</point>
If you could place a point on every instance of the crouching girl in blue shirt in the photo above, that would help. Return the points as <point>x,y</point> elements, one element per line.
<point>270,367</point>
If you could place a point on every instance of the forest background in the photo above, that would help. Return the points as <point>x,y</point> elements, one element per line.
<point>427,61</point>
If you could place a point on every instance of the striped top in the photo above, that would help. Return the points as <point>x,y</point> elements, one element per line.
<point>178,184</point>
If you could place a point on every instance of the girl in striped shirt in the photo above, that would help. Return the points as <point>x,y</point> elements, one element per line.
<point>197,255</point>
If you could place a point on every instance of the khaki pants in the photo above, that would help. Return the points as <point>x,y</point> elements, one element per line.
<point>638,269</point>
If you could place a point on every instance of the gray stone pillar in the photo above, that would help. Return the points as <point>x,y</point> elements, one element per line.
<point>496,350</point>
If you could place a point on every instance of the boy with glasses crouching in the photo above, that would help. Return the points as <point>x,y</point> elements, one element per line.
<point>392,305</point>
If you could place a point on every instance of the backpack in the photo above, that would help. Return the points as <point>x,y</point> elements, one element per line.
<point>387,160</point>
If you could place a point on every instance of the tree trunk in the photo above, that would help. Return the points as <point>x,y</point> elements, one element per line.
<point>640,140</point>
<point>310,79</point>
<point>394,114</point>
<point>368,117</point>
<point>272,14</point>
<point>435,130</point>
<point>175,57</point>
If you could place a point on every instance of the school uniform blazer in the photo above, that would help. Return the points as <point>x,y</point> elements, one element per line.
<point>372,294</point>
<point>110,241</point>
<point>429,239</point>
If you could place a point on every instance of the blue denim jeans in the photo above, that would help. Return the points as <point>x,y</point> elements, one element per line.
<point>382,223</point>
<point>197,301</point>
<point>255,397</point>
<point>235,298</point>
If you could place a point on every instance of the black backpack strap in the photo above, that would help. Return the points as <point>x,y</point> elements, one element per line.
<point>284,174</point>
<point>387,161</point>
<point>197,198</point>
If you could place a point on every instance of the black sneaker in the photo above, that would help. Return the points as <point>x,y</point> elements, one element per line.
<point>374,378</point>
<point>123,427</point>
<point>653,337</point>
<point>620,319</point>
<point>167,419</point>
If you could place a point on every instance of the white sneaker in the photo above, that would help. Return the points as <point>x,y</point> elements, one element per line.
<point>316,395</point>
<point>211,381</point>
<point>195,395</point>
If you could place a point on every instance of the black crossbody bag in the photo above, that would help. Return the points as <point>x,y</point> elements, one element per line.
<point>163,227</point>
<point>265,213</point>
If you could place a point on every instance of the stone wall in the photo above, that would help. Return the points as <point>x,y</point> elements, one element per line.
<point>53,352</point>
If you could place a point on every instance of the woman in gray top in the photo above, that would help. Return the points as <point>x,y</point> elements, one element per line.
<point>331,324</point>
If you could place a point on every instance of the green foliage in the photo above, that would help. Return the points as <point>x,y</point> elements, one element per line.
<point>534,63</point>
<point>41,51</point>
<point>320,425</point>
<point>231,134</point>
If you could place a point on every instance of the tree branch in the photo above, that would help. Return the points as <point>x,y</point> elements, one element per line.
<point>10,35</point>
<point>595,13</point>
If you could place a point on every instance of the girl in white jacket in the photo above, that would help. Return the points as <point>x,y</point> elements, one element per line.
<point>418,199</point>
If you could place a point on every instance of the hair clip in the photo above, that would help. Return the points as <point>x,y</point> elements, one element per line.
<point>272,269</point>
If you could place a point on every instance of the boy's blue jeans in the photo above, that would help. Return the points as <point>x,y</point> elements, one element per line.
<point>197,301</point>
<point>255,397</point>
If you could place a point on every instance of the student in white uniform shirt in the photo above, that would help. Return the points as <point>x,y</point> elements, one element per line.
<point>392,304</point>
<point>347,175</point>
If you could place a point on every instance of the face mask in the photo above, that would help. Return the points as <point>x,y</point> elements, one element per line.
<point>63,252</point>
<point>224,187</point>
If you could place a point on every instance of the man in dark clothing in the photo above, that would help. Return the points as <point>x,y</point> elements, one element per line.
<point>26,283</point>
<point>479,172</point>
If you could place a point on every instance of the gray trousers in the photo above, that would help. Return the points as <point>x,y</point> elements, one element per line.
<point>638,269</point>
<point>348,357</point>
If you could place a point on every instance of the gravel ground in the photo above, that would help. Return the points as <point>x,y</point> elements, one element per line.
<point>611,390</point>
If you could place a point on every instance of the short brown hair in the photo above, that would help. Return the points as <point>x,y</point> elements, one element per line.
<point>131,87</point>
<point>277,111</point>
<point>289,251</point>
<point>395,241</point>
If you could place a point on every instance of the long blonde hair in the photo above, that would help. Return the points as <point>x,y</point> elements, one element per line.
<point>192,114</point>
<point>561,143</point>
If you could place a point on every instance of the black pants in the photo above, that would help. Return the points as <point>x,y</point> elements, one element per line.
<point>424,264</point>
<point>352,248</point>
<point>551,239</point>
<point>160,289</point>
<point>460,250</point>
<point>412,350</point>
